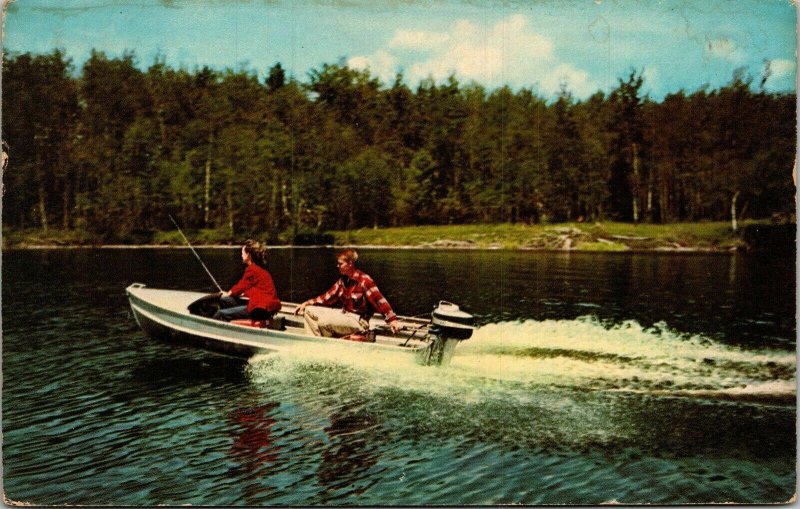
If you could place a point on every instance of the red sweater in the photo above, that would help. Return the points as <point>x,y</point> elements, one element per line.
<point>256,284</point>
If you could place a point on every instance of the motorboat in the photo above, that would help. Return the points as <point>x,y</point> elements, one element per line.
<point>186,317</point>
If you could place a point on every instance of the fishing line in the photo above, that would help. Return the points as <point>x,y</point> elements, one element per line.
<point>195,253</point>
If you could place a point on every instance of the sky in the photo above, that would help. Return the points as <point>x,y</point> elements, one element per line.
<point>585,45</point>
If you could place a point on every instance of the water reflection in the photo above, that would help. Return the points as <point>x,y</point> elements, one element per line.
<point>350,451</point>
<point>253,444</point>
<point>177,372</point>
<point>254,448</point>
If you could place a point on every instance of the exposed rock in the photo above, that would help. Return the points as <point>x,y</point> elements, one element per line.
<point>628,237</point>
<point>451,243</point>
<point>568,230</point>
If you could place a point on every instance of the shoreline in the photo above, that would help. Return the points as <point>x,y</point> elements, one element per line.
<point>715,237</point>
<point>405,247</point>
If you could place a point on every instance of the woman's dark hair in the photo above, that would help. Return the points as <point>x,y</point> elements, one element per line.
<point>257,252</point>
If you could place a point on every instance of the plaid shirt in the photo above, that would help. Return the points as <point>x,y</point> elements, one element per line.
<point>358,294</point>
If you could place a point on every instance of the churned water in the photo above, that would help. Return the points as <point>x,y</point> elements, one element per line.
<point>596,378</point>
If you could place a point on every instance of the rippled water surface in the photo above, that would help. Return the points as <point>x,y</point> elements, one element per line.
<point>593,378</point>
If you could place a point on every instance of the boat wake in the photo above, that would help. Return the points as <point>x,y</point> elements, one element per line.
<point>586,353</point>
<point>556,385</point>
<point>515,359</point>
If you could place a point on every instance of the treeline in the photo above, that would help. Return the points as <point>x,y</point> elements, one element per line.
<point>113,149</point>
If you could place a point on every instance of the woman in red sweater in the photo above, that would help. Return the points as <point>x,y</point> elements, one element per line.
<point>256,284</point>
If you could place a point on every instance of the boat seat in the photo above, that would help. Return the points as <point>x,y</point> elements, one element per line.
<point>261,324</point>
<point>274,324</point>
<point>367,337</point>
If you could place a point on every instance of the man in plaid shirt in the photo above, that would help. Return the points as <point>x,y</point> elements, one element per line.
<point>347,307</point>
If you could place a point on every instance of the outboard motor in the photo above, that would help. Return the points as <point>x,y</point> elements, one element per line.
<point>450,325</point>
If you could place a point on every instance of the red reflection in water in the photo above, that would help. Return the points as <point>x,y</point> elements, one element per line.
<point>254,444</point>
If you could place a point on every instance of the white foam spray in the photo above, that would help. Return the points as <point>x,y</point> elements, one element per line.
<point>512,359</point>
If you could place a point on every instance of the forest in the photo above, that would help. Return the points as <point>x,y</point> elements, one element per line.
<point>113,149</point>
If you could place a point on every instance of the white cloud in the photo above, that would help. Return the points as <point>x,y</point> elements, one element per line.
<point>380,64</point>
<point>782,68</point>
<point>782,74</point>
<point>509,52</point>
<point>651,77</point>
<point>417,40</point>
<point>576,80</point>
<point>724,48</point>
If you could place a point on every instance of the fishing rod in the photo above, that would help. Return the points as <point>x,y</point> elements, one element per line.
<point>195,254</point>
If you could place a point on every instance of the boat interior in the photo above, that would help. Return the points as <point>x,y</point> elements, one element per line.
<point>414,331</point>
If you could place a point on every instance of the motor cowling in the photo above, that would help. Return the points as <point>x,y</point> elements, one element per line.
<point>451,322</point>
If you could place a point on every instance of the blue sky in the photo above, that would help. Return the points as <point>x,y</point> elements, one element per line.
<point>539,44</point>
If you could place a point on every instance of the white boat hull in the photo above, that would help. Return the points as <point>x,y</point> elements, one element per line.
<point>165,314</point>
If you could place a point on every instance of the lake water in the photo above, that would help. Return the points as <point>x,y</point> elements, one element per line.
<point>635,378</point>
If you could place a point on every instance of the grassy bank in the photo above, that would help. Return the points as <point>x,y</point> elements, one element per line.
<point>35,237</point>
<point>566,236</point>
<point>607,236</point>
